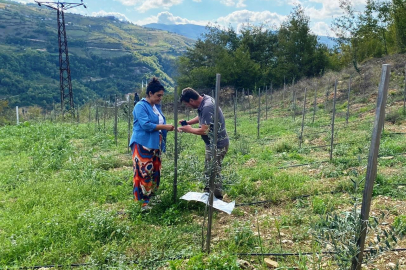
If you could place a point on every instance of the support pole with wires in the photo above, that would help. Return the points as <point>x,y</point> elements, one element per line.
<point>64,67</point>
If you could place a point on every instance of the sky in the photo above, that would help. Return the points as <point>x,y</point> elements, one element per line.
<point>225,13</point>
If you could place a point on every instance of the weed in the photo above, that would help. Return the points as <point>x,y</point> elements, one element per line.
<point>395,116</point>
<point>100,225</point>
<point>340,231</point>
<point>283,146</point>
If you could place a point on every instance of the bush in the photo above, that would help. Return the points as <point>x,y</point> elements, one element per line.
<point>395,116</point>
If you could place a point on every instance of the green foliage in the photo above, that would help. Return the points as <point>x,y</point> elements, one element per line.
<point>254,56</point>
<point>283,146</point>
<point>395,116</point>
<point>222,261</point>
<point>374,32</point>
<point>400,224</point>
<point>339,232</point>
<point>100,225</point>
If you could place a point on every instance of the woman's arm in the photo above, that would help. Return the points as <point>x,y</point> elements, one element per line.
<point>165,127</point>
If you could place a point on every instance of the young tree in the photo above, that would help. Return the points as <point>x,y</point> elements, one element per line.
<point>346,29</point>
<point>298,51</point>
<point>399,16</point>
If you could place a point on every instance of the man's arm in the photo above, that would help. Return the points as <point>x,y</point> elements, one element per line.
<point>203,130</point>
<point>191,121</point>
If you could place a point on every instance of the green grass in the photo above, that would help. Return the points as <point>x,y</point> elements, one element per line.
<point>65,193</point>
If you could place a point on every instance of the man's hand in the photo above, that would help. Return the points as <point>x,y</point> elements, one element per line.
<point>187,129</point>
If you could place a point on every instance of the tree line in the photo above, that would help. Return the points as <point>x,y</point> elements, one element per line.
<point>261,55</point>
<point>377,31</point>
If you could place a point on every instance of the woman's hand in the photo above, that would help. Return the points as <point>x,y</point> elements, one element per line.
<point>169,127</point>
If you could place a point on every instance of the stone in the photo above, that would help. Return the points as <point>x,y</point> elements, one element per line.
<point>391,265</point>
<point>290,242</point>
<point>245,265</point>
<point>270,263</point>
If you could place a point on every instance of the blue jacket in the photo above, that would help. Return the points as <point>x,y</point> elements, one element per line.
<point>145,122</point>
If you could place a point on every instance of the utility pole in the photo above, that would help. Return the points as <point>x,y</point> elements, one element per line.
<point>64,77</point>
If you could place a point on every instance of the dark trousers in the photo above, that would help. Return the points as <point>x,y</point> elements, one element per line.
<point>209,165</point>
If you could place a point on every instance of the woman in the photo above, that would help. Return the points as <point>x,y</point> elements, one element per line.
<point>147,142</point>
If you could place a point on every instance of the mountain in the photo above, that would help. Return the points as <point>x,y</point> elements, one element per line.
<point>196,31</point>
<point>107,56</point>
<point>329,41</point>
<point>192,31</point>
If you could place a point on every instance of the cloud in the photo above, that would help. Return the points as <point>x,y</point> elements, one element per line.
<point>241,4</point>
<point>322,29</point>
<point>198,1</point>
<point>151,4</point>
<point>145,5</point>
<point>168,18</point>
<point>238,18</point>
<point>329,9</point>
<point>103,13</point>
<point>232,3</point>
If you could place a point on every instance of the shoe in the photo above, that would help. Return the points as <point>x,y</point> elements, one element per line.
<point>217,192</point>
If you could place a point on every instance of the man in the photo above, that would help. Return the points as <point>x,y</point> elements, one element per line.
<point>205,106</point>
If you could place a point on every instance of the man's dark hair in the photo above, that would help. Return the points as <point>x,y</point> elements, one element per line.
<point>188,94</point>
<point>154,86</point>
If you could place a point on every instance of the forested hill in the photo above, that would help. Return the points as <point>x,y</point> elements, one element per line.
<point>107,56</point>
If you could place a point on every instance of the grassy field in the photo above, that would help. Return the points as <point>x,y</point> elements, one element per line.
<point>65,191</point>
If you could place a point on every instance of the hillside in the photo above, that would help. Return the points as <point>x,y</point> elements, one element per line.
<point>192,31</point>
<point>107,56</point>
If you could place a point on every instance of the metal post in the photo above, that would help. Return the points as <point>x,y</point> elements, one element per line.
<point>18,120</point>
<point>235,116</point>
<point>104,115</point>
<point>303,118</point>
<point>348,101</point>
<point>332,121</point>
<point>327,94</point>
<point>129,125</point>
<point>270,103</point>
<point>90,106</point>
<point>214,164</point>
<point>77,113</point>
<point>294,104</point>
<point>249,104</point>
<point>372,163</point>
<point>259,111</point>
<point>284,90</point>
<point>243,101</point>
<point>96,117</point>
<point>115,118</point>
<point>315,103</point>
<point>175,117</point>
<point>404,95</point>
<point>266,102</point>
